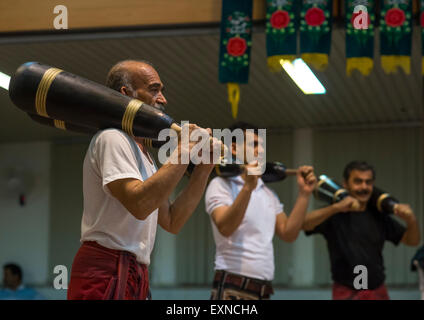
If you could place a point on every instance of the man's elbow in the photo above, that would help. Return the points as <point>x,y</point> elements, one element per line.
<point>141,213</point>
<point>290,238</point>
<point>225,232</point>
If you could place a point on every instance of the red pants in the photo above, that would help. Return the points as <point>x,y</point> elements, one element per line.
<point>341,292</point>
<point>99,273</point>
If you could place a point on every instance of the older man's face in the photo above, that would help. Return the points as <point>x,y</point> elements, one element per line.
<point>147,86</point>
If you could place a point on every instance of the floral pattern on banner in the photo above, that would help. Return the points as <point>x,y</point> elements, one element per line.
<point>315,20</point>
<point>281,37</point>
<point>395,22</point>
<point>315,31</point>
<point>280,18</point>
<point>396,31</point>
<point>237,40</point>
<point>235,46</point>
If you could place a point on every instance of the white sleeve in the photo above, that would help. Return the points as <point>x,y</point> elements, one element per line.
<point>218,194</point>
<point>115,158</point>
<point>278,206</point>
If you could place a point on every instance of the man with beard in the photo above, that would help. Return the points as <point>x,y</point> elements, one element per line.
<point>356,238</point>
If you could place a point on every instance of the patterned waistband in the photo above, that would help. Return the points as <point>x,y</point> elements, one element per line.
<point>257,286</point>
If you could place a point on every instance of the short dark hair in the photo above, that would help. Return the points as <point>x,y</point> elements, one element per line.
<point>243,126</point>
<point>14,268</point>
<point>120,76</point>
<point>357,165</point>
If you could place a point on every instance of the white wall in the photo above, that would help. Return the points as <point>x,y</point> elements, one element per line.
<point>24,230</point>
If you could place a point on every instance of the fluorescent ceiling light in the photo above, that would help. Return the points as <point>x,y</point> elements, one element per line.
<point>4,81</point>
<point>303,76</point>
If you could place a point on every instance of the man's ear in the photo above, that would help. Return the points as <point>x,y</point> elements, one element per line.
<point>344,184</point>
<point>125,91</point>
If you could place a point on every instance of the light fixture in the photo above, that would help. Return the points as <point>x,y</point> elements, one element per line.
<point>303,76</point>
<point>4,81</point>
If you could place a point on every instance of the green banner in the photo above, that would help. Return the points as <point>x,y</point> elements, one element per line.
<point>360,19</point>
<point>396,35</point>
<point>236,41</point>
<point>281,35</point>
<point>315,32</point>
<point>235,45</point>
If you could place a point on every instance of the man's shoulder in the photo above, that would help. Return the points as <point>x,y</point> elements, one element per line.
<point>110,136</point>
<point>218,183</point>
<point>110,133</point>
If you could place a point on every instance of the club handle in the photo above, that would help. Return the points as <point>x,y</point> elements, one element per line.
<point>177,128</point>
<point>291,172</point>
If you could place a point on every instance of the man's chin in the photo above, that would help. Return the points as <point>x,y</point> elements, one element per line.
<point>363,199</point>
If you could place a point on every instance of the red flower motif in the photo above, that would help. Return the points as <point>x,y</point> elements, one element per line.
<point>357,14</point>
<point>422,19</point>
<point>280,19</point>
<point>315,17</point>
<point>395,17</point>
<point>236,46</point>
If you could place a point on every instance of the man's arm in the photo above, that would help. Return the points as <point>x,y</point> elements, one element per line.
<point>173,216</point>
<point>228,218</point>
<point>141,198</point>
<point>316,217</point>
<point>288,229</point>
<point>411,237</point>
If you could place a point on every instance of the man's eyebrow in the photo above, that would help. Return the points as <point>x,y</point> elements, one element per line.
<point>155,85</point>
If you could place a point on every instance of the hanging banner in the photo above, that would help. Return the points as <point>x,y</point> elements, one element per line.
<point>360,19</point>
<point>281,36</point>
<point>396,35</point>
<point>315,32</point>
<point>235,45</point>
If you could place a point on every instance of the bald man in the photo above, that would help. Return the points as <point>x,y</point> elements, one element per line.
<point>125,197</point>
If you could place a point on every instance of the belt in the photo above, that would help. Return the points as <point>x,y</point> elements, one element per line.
<point>260,287</point>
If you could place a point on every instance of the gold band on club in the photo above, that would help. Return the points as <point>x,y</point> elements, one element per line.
<point>43,89</point>
<point>217,170</point>
<point>59,124</point>
<point>129,115</point>
<point>380,201</point>
<point>336,194</point>
<point>147,143</point>
<point>318,186</point>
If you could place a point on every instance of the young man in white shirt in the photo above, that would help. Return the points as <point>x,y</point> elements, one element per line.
<point>125,197</point>
<point>245,214</point>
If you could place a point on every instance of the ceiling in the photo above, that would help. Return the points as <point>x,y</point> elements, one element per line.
<point>187,62</point>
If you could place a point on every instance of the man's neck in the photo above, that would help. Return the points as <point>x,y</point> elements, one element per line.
<point>362,206</point>
<point>144,150</point>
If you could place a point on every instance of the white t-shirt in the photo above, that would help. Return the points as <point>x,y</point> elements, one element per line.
<point>249,250</point>
<point>113,155</point>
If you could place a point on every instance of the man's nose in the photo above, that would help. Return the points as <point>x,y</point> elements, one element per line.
<point>161,99</point>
